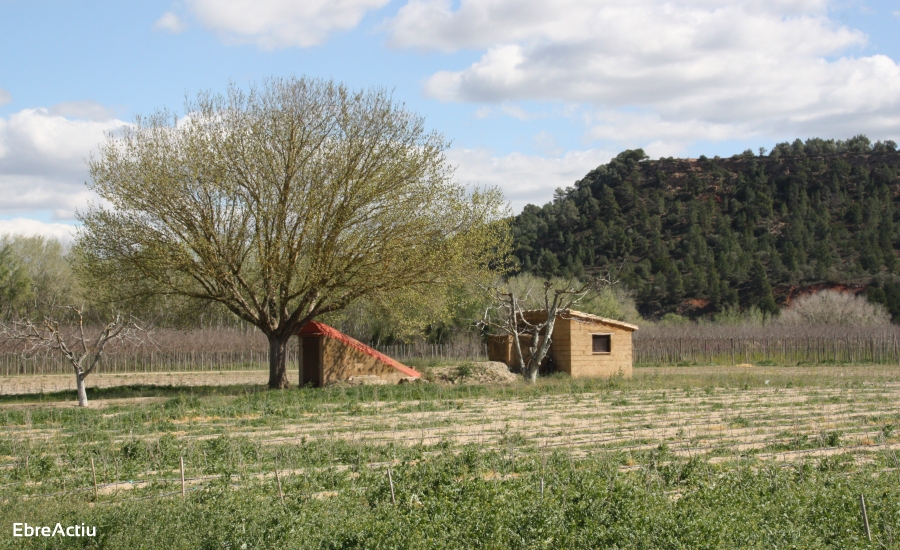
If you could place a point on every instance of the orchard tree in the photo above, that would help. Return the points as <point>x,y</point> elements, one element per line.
<point>81,346</point>
<point>283,203</point>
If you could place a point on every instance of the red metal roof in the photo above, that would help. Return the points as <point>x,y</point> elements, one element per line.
<point>315,328</point>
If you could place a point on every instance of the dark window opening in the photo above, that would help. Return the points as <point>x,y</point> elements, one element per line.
<point>601,343</point>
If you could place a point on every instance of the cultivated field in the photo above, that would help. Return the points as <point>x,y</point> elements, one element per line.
<point>676,457</point>
<point>49,383</point>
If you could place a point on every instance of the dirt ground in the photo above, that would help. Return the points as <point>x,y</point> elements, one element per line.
<point>14,385</point>
<point>487,372</point>
<point>856,413</point>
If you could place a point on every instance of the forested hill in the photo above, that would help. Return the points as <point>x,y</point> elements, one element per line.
<point>695,236</point>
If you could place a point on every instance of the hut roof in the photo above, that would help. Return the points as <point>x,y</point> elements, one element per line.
<point>314,328</point>
<point>581,316</point>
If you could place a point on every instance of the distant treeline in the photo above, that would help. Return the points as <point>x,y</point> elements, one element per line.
<point>38,278</point>
<point>701,236</point>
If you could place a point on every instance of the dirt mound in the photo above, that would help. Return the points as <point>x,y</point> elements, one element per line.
<point>487,372</point>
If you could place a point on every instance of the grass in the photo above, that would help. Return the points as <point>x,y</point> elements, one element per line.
<point>682,457</point>
<point>484,500</point>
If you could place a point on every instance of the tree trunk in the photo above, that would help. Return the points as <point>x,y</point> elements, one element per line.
<point>540,350</point>
<point>277,361</point>
<point>531,374</point>
<point>82,391</point>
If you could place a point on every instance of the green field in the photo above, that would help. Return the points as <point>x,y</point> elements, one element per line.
<point>681,457</point>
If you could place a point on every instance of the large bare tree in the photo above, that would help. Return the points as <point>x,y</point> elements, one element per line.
<point>283,203</point>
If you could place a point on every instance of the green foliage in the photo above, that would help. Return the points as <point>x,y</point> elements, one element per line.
<point>463,493</point>
<point>436,314</point>
<point>36,276</point>
<point>448,502</point>
<point>465,369</point>
<point>358,202</point>
<point>885,290</point>
<point>15,286</point>
<point>732,315</point>
<point>612,302</point>
<point>698,237</point>
<point>673,319</point>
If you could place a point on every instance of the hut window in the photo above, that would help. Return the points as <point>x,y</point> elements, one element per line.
<point>601,343</point>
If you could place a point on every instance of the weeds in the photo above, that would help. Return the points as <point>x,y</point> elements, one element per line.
<point>623,463</point>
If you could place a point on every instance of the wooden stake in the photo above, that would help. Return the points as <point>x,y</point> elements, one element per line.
<point>278,479</point>
<point>94,476</point>
<point>862,506</point>
<point>182,477</point>
<point>391,483</point>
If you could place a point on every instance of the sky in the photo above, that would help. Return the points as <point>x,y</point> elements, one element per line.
<point>532,94</point>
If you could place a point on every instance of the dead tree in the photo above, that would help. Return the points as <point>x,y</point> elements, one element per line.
<point>81,349</point>
<point>507,316</point>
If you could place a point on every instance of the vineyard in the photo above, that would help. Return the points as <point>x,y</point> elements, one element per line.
<point>241,351</point>
<point>766,351</point>
<point>214,350</point>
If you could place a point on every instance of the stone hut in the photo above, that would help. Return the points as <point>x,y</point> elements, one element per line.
<point>582,345</point>
<point>328,355</point>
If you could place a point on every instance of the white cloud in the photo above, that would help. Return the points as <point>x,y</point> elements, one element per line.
<point>171,23</point>
<point>659,137</point>
<point>5,97</point>
<point>275,24</point>
<point>523,178</point>
<point>87,110</point>
<point>24,226</point>
<point>508,109</point>
<point>702,69</point>
<point>480,24</point>
<point>42,159</point>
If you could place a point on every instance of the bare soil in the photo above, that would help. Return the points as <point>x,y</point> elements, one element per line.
<point>30,384</point>
<point>850,414</point>
<point>857,412</point>
<point>488,372</point>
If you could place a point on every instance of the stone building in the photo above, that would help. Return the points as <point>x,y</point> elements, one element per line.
<point>328,355</point>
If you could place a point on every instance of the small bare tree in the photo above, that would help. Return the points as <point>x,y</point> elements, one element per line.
<point>82,348</point>
<point>507,315</point>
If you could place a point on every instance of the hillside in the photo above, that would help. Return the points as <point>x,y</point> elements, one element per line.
<point>697,236</point>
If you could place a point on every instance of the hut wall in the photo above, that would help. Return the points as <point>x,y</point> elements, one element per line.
<point>580,359</point>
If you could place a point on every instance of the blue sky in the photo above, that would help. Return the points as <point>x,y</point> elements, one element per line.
<point>532,94</point>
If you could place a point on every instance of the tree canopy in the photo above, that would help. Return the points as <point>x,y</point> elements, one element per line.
<point>283,203</point>
<point>701,236</point>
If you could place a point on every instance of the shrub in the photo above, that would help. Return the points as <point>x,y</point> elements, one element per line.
<point>465,370</point>
<point>831,307</point>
